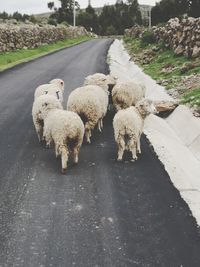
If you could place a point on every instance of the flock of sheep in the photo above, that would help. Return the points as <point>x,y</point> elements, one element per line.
<point>86,108</point>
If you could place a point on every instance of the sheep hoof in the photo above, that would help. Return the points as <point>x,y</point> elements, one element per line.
<point>64,170</point>
<point>119,159</point>
<point>133,159</point>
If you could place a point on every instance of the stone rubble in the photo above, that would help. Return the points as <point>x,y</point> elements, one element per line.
<point>182,36</point>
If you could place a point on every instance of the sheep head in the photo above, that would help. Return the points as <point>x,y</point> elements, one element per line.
<point>48,103</point>
<point>60,83</point>
<point>146,107</point>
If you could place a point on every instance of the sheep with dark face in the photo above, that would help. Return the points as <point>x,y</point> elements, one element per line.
<point>128,126</point>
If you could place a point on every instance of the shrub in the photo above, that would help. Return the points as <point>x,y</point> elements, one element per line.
<point>52,22</point>
<point>147,38</point>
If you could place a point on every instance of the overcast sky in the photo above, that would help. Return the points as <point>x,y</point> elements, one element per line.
<point>40,6</point>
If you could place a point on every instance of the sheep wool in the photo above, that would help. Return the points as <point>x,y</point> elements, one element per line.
<point>126,94</point>
<point>88,103</point>
<point>128,127</point>
<point>66,130</point>
<point>107,82</point>
<point>42,104</point>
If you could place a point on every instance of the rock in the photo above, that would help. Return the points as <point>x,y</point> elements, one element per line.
<point>14,37</point>
<point>183,36</point>
<point>165,106</point>
<point>179,50</point>
<point>196,52</point>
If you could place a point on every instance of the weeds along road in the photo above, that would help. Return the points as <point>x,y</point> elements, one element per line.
<point>101,213</point>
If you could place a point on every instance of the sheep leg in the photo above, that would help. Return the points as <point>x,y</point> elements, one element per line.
<point>102,123</point>
<point>57,150</point>
<point>88,127</point>
<point>138,146</point>
<point>121,148</point>
<point>75,154</point>
<point>39,129</point>
<point>99,125</point>
<point>64,158</point>
<point>132,148</point>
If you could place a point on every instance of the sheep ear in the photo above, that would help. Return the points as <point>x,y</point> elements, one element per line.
<point>45,104</point>
<point>61,83</point>
<point>46,92</point>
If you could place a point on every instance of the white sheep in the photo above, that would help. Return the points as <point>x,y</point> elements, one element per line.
<point>105,81</point>
<point>39,104</point>
<point>126,94</point>
<point>128,127</point>
<point>54,87</point>
<point>89,103</point>
<point>66,130</point>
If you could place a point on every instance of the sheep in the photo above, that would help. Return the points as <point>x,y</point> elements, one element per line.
<point>126,94</point>
<point>66,130</point>
<point>88,103</point>
<point>38,105</point>
<point>54,87</point>
<point>128,127</point>
<point>107,82</point>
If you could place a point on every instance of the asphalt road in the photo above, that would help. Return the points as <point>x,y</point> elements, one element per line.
<point>101,213</point>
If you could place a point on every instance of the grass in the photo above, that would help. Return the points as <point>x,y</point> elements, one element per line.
<point>162,59</point>
<point>192,98</point>
<point>10,59</point>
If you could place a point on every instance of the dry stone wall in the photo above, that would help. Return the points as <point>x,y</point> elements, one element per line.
<point>13,37</point>
<point>183,36</point>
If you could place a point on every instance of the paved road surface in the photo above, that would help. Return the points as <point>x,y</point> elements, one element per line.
<point>102,213</point>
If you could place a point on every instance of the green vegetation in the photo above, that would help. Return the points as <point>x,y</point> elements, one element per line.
<point>148,37</point>
<point>192,98</point>
<point>113,19</point>
<point>10,59</point>
<point>163,64</point>
<point>166,9</point>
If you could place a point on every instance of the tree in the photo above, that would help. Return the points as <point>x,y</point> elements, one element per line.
<point>134,12</point>
<point>17,16</point>
<point>88,19</point>
<point>4,15</point>
<point>50,5</point>
<point>65,12</point>
<point>194,9</point>
<point>166,9</point>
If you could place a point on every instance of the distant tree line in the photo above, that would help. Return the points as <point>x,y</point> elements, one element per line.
<point>112,20</point>
<point>166,9</point>
<point>17,16</point>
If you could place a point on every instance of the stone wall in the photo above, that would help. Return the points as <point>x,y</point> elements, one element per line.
<point>135,32</point>
<point>181,36</point>
<point>13,37</point>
